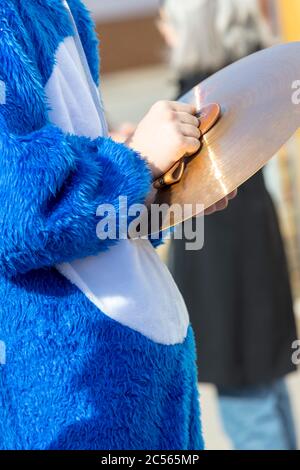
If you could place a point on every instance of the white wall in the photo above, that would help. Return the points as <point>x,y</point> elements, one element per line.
<point>105,10</point>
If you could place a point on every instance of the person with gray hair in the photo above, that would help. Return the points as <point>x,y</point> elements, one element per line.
<point>213,33</point>
<point>237,288</point>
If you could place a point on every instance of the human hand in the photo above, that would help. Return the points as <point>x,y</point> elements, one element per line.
<point>166,134</point>
<point>221,205</point>
<point>123,133</point>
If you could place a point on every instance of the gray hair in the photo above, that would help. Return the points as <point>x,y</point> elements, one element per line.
<point>213,33</point>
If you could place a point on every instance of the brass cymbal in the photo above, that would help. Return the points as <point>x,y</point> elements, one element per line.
<point>258,117</point>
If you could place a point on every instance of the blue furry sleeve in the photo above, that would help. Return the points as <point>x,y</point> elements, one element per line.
<point>50,187</point>
<point>51,183</point>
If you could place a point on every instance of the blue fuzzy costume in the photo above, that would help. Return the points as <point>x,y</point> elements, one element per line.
<point>72,378</point>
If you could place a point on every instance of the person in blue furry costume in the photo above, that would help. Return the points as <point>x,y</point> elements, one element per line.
<point>90,358</point>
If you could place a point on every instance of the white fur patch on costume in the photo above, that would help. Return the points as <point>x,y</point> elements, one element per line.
<point>72,107</point>
<point>129,283</point>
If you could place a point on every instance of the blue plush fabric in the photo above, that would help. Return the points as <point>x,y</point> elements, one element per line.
<point>73,378</point>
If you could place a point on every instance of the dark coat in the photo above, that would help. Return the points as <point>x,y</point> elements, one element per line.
<point>237,290</point>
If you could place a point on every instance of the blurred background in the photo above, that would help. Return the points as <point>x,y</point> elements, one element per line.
<point>139,66</point>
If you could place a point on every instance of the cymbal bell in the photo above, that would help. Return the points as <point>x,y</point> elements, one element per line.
<point>258,116</point>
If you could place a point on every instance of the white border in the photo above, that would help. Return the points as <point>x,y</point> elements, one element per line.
<point>105,10</point>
